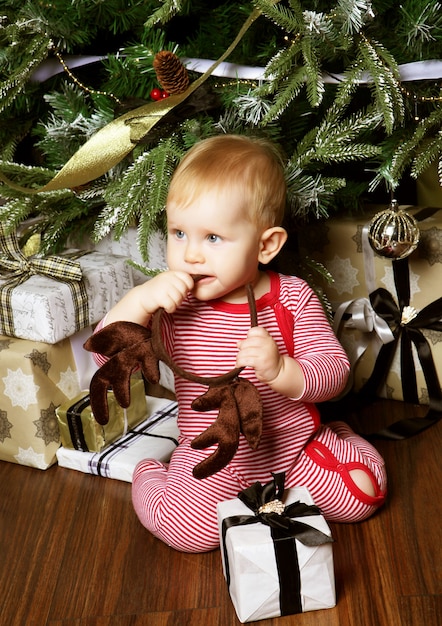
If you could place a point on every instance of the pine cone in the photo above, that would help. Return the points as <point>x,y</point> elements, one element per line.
<point>171,73</point>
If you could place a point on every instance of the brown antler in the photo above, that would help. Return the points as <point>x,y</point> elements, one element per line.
<point>224,430</point>
<point>240,409</point>
<point>130,346</point>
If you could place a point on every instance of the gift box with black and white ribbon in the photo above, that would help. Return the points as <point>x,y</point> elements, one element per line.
<point>156,437</point>
<point>381,304</point>
<point>276,552</point>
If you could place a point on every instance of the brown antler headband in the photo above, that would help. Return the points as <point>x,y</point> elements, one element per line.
<point>130,346</point>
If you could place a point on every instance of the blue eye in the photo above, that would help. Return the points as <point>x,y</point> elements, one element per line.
<point>179,234</point>
<point>213,238</point>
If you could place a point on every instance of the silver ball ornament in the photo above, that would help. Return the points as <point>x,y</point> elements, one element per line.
<point>393,233</point>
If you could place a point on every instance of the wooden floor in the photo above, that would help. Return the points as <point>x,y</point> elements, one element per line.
<point>72,552</point>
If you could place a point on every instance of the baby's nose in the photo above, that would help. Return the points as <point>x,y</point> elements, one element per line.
<point>193,253</point>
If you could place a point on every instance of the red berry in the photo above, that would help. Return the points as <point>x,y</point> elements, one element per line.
<point>164,94</point>
<point>156,94</point>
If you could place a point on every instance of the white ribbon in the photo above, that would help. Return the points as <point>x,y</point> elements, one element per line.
<point>365,319</point>
<point>375,332</point>
<point>374,329</point>
<point>418,70</point>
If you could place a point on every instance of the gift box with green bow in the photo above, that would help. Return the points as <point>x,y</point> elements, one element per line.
<point>50,298</point>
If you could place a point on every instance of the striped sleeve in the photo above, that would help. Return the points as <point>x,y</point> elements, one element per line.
<point>322,358</point>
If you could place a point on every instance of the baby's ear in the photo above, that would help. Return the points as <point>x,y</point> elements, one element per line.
<point>271,243</point>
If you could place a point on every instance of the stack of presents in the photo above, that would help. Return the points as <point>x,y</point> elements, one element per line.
<point>48,309</point>
<point>276,547</point>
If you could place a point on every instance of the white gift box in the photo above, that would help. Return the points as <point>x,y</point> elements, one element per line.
<point>154,438</point>
<point>251,570</point>
<point>127,246</point>
<point>43,309</point>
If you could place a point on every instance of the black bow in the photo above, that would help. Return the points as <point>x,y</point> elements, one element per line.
<point>406,334</point>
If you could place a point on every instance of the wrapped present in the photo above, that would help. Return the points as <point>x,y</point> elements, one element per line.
<point>277,560</point>
<point>154,438</point>
<point>398,289</point>
<point>128,246</point>
<point>35,378</point>
<point>50,298</point>
<point>80,430</point>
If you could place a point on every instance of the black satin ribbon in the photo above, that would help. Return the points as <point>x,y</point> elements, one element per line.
<point>124,442</point>
<point>284,531</point>
<point>75,424</point>
<point>406,335</point>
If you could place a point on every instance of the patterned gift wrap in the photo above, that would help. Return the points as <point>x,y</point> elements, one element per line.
<point>338,245</point>
<point>80,430</point>
<point>127,246</point>
<point>276,552</point>
<point>154,438</point>
<point>35,378</point>
<point>42,308</point>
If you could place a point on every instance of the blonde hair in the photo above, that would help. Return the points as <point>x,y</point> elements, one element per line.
<point>252,166</point>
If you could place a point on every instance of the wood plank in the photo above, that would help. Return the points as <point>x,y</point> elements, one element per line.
<point>73,552</point>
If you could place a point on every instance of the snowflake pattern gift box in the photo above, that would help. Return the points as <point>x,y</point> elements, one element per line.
<point>339,245</point>
<point>35,378</point>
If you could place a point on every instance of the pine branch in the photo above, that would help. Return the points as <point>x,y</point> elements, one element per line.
<point>349,84</point>
<point>35,51</point>
<point>310,194</point>
<point>431,153</point>
<point>140,194</point>
<point>313,73</point>
<point>336,139</point>
<point>165,13</point>
<point>287,93</point>
<point>291,21</point>
<point>281,64</point>
<point>421,26</point>
<point>352,15</point>
<point>72,121</point>
<point>386,87</point>
<point>413,150</point>
<point>25,175</point>
<point>16,211</point>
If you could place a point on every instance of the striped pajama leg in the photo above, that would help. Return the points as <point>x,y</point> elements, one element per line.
<point>176,507</point>
<point>325,465</point>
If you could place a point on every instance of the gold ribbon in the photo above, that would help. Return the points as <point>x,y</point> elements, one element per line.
<point>19,268</point>
<point>107,147</point>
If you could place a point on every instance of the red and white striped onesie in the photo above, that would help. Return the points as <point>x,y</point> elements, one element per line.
<point>202,338</point>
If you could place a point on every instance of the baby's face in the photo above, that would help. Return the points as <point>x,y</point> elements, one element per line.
<point>214,237</point>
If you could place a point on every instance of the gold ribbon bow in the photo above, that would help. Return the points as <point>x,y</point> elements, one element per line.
<point>19,268</point>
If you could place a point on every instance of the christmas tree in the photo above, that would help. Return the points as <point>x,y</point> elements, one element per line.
<point>100,100</point>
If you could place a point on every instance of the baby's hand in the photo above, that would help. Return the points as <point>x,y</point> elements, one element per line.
<point>166,290</point>
<point>260,352</point>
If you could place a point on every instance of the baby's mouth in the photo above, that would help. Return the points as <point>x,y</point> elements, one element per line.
<point>198,277</point>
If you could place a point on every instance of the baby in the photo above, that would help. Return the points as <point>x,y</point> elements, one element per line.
<point>224,212</point>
